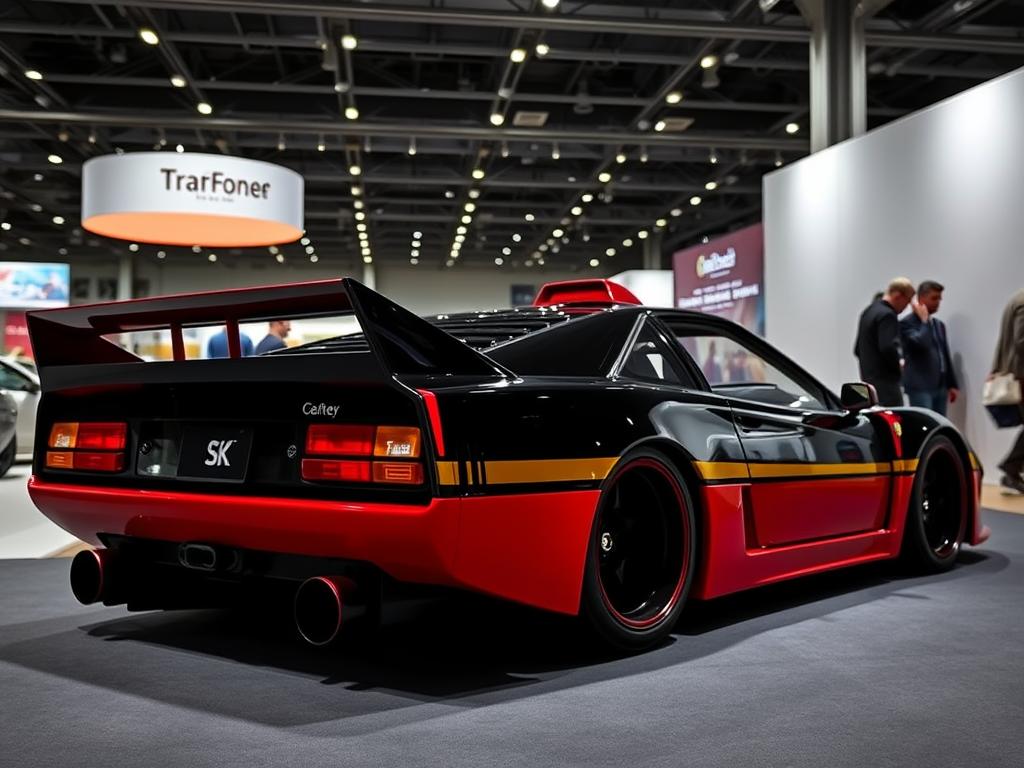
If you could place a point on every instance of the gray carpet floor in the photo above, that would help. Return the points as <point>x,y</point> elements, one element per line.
<point>863,667</point>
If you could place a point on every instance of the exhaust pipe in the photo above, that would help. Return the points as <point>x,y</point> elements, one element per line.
<point>318,604</point>
<point>93,577</point>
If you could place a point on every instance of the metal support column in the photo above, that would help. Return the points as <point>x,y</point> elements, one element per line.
<point>652,251</point>
<point>125,276</point>
<point>837,63</point>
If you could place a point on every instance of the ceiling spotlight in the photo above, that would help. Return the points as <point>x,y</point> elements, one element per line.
<point>620,158</point>
<point>5,226</point>
<point>36,207</point>
<point>279,258</point>
<point>595,262</point>
<point>357,204</point>
<point>642,234</point>
<point>361,228</point>
<point>576,210</point>
<point>414,252</point>
<point>320,144</point>
<point>91,138</point>
<point>711,186</point>
<point>557,232</point>
<point>204,108</point>
<point>133,247</point>
<point>518,55</point>
<point>516,237</point>
<point>542,49</point>
<point>550,4</point>
<point>542,247</point>
<point>412,145</point>
<point>497,118</point>
<point>478,173</point>
<point>161,254</point>
<point>499,261</point>
<point>659,126</point>
<point>33,74</point>
<point>415,244</point>
<point>460,230</point>
<point>367,259</point>
<point>609,252</point>
<point>555,153</point>
<point>55,159</point>
<point>460,239</point>
<point>148,36</point>
<point>709,61</point>
<point>661,223</point>
<point>313,258</point>
<point>360,215</point>
<point>643,154</point>
<point>213,257</point>
<point>529,217</point>
<point>470,207</point>
<point>449,194</point>
<point>507,251</point>
<point>467,219</point>
<point>349,42</point>
<point>351,113</point>
<point>340,86</point>
<point>196,249</point>
<point>310,249</point>
<point>178,81</point>
<point>273,249</point>
<point>673,97</point>
<point>179,148</point>
<point>474,194</point>
<point>713,156</point>
<point>356,191</point>
<point>604,177</point>
<point>355,170</point>
<point>778,159</point>
<point>417,235</point>
<point>676,211</point>
<point>414,261</point>
<point>58,219</point>
<point>792,127</point>
<point>695,200</point>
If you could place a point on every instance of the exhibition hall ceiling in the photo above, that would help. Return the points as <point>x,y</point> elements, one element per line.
<point>527,134</point>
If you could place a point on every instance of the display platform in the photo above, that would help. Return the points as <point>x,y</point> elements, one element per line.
<point>860,667</point>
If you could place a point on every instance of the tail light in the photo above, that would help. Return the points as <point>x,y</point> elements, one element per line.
<point>94,446</point>
<point>339,451</point>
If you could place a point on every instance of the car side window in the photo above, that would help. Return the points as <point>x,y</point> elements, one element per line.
<point>735,370</point>
<point>649,359</point>
<point>12,380</point>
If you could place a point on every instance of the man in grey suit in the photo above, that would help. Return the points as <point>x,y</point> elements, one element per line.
<point>1010,359</point>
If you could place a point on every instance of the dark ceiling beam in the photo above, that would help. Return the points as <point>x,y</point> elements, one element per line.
<point>1013,46</point>
<point>668,25</point>
<point>420,130</point>
<point>488,219</point>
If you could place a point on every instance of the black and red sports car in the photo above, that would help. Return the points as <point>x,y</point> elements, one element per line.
<point>585,455</point>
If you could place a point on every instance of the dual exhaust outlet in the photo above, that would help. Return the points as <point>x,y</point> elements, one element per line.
<point>100,576</point>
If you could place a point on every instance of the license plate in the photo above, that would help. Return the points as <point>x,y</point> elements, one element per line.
<point>215,453</point>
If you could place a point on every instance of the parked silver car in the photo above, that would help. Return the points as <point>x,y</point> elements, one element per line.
<point>23,386</point>
<point>8,425</point>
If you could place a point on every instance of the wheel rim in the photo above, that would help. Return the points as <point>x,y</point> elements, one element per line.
<point>942,504</point>
<point>642,544</point>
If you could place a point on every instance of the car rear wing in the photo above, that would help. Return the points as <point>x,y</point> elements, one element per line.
<point>66,342</point>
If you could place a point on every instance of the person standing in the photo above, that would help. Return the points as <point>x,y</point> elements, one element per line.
<point>217,346</point>
<point>878,342</point>
<point>277,332</point>
<point>928,376</point>
<point>1009,358</point>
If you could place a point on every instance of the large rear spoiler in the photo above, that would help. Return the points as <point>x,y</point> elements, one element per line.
<point>400,341</point>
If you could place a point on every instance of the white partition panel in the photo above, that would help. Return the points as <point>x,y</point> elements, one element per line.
<point>937,195</point>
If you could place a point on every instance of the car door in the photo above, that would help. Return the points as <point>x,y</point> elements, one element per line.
<point>815,471</point>
<point>25,392</point>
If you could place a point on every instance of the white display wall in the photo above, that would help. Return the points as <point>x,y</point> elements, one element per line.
<point>937,195</point>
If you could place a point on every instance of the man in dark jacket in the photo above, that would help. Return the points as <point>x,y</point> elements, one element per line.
<point>878,342</point>
<point>928,376</point>
<point>1010,359</point>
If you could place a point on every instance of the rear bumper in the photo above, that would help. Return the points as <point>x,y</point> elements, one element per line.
<point>530,548</point>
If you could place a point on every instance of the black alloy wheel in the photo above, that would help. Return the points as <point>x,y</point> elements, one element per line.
<point>642,551</point>
<point>937,519</point>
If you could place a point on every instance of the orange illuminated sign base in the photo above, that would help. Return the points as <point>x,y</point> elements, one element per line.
<point>210,230</point>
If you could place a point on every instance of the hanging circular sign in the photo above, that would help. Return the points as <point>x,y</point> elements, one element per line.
<point>170,198</point>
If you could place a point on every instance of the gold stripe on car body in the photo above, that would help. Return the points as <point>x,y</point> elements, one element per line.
<point>722,470</point>
<point>905,465</point>
<point>548,470</point>
<point>798,470</point>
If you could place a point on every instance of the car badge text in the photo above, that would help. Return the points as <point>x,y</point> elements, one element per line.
<point>320,409</point>
<point>218,451</point>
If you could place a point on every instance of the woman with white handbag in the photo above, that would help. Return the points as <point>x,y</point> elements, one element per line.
<point>1002,393</point>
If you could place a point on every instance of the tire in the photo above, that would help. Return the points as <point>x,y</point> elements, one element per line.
<point>7,456</point>
<point>641,556</point>
<point>937,518</point>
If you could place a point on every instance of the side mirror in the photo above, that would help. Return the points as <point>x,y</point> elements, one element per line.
<point>858,396</point>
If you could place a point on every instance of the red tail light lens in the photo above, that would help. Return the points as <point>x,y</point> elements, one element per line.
<point>94,446</point>
<point>340,439</point>
<point>336,470</point>
<point>102,436</point>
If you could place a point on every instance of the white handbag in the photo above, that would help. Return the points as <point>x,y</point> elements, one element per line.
<point>1001,389</point>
